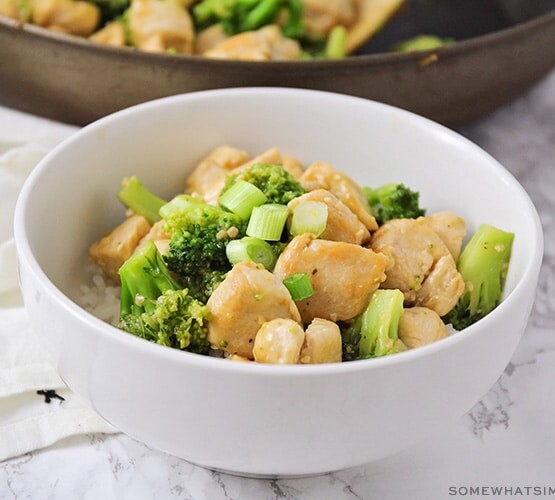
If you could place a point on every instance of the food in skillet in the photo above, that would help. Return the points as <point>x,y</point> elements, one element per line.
<point>252,30</point>
<point>261,259</point>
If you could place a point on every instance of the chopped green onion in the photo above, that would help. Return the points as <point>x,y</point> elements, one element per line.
<point>267,221</point>
<point>309,217</point>
<point>241,198</point>
<point>262,14</point>
<point>135,196</point>
<point>335,45</point>
<point>178,204</point>
<point>253,249</point>
<point>299,286</point>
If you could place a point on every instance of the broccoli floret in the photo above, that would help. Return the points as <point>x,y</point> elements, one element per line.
<point>483,264</point>
<point>135,196</point>
<point>153,307</point>
<point>393,201</point>
<point>237,16</point>
<point>278,185</point>
<point>177,320</point>
<point>199,235</point>
<point>144,277</point>
<point>375,332</point>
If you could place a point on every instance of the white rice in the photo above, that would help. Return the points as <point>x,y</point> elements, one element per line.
<point>100,297</point>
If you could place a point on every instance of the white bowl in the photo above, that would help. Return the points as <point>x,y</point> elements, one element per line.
<point>259,419</point>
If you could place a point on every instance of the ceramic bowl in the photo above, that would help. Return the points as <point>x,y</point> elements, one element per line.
<point>503,47</point>
<point>256,419</point>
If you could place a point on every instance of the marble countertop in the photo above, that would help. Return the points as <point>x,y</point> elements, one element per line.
<point>506,441</point>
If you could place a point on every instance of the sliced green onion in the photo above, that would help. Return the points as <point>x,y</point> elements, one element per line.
<point>262,14</point>
<point>179,204</point>
<point>135,196</point>
<point>336,43</point>
<point>309,217</point>
<point>241,198</point>
<point>267,222</point>
<point>253,249</point>
<point>299,286</point>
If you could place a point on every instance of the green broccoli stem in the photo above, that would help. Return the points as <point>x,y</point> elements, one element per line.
<point>380,324</point>
<point>483,265</point>
<point>144,277</point>
<point>135,196</point>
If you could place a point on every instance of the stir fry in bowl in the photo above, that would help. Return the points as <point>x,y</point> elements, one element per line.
<point>253,30</point>
<point>261,259</point>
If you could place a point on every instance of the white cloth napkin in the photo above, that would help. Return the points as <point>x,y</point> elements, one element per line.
<point>36,408</point>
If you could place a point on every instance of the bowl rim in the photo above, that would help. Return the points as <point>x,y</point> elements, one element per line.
<point>472,43</point>
<point>25,254</point>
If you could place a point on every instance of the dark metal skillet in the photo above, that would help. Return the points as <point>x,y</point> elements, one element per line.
<point>503,47</point>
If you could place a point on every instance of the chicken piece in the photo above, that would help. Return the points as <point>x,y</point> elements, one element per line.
<point>293,166</point>
<point>278,341</point>
<point>112,34</point>
<point>73,17</point>
<point>272,155</point>
<point>322,343</point>
<point>157,26</point>
<point>211,195</point>
<point>442,288</point>
<point>323,176</point>
<point>248,297</point>
<point>343,225</point>
<point>420,326</point>
<point>415,251</point>
<point>228,157</point>
<point>343,276</point>
<point>451,228</point>
<point>240,359</point>
<point>11,9</point>
<point>321,16</point>
<point>116,247</point>
<point>265,44</point>
<point>212,169</point>
<point>160,237</point>
<point>209,38</point>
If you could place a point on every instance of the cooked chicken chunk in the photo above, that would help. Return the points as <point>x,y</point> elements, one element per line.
<point>248,297</point>
<point>322,343</point>
<point>323,176</point>
<point>209,38</point>
<point>442,287</point>
<point>293,166</point>
<point>10,8</point>
<point>160,26</point>
<point>343,276</point>
<point>212,169</point>
<point>342,225</point>
<point>112,34</point>
<point>417,254</point>
<point>320,16</point>
<point>278,341</point>
<point>74,17</point>
<point>211,195</point>
<point>160,237</point>
<point>116,247</point>
<point>420,326</point>
<point>451,228</point>
<point>265,44</point>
